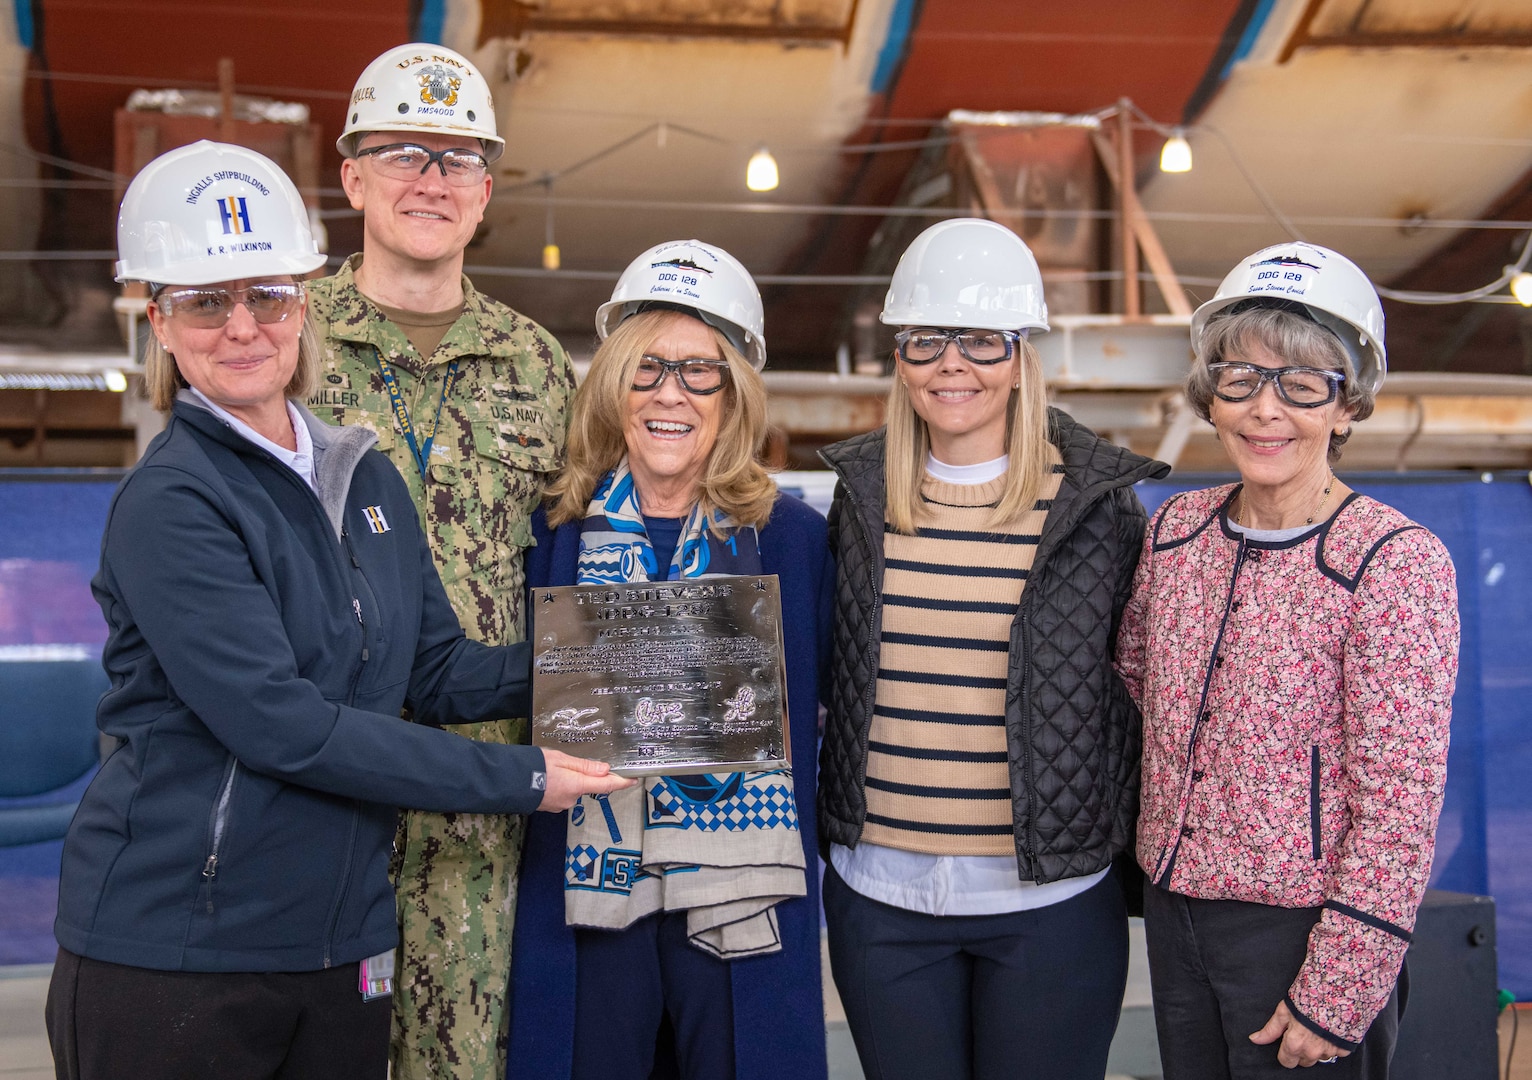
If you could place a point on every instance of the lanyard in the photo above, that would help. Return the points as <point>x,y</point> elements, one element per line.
<point>422,454</point>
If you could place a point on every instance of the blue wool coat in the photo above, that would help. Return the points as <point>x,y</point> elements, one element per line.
<point>778,1004</point>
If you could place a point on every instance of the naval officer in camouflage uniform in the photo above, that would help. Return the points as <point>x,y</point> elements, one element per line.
<point>470,401</point>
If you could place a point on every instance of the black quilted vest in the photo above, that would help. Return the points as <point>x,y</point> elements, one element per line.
<point>1072,732</point>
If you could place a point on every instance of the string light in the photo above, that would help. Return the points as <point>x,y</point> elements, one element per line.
<point>1521,288</point>
<point>1176,154</point>
<point>761,173</point>
<point>115,380</point>
<point>550,249</point>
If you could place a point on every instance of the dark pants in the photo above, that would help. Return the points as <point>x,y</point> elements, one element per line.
<point>1219,969</point>
<point>107,1021</point>
<point>1028,994</point>
<point>628,981</point>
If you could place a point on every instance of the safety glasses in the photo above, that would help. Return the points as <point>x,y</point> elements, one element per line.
<point>922,345</point>
<point>406,161</point>
<point>208,309</point>
<point>1301,387</point>
<point>697,376</point>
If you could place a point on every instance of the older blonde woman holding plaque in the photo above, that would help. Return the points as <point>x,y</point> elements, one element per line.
<point>715,942</point>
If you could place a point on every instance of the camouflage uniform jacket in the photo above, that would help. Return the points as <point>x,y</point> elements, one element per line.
<point>499,438</point>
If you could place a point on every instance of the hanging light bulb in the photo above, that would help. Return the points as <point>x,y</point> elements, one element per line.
<point>761,173</point>
<point>1176,154</point>
<point>550,249</point>
<point>1521,288</point>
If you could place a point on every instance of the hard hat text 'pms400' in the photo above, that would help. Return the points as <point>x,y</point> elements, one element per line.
<point>213,212</point>
<point>967,273</point>
<point>425,88</point>
<point>1333,289</point>
<point>698,276</point>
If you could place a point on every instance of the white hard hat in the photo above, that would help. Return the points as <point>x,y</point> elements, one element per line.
<point>1329,286</point>
<point>967,273</point>
<point>696,276</point>
<point>213,212</point>
<point>424,88</point>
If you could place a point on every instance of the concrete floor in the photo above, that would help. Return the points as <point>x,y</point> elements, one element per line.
<point>24,1048</point>
<point>23,1043</point>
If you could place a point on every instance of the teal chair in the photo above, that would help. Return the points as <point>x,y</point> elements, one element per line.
<point>49,746</point>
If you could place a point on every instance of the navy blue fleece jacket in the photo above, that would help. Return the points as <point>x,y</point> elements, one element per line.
<point>263,640</point>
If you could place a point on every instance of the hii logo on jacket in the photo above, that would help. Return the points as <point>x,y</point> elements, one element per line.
<point>375,519</point>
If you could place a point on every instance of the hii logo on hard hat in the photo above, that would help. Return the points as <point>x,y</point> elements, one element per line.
<point>234,214</point>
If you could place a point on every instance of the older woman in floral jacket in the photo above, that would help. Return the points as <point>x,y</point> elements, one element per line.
<point>1293,647</point>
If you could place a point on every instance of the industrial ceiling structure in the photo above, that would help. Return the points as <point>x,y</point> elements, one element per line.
<point>1397,131</point>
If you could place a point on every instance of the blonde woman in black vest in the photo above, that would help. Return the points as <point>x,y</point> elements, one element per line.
<point>979,770</point>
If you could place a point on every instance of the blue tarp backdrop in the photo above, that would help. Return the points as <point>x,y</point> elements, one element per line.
<point>50,531</point>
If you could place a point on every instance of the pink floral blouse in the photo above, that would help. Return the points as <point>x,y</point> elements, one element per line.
<point>1297,698</point>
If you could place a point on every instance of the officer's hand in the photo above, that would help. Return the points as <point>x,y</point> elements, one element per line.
<point>570,777</point>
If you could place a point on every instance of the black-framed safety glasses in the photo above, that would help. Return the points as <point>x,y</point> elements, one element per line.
<point>697,376</point>
<point>1300,387</point>
<point>209,309</point>
<point>923,344</point>
<point>406,161</point>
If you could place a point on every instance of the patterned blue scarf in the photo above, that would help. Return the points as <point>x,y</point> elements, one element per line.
<point>614,545</point>
<point>724,848</point>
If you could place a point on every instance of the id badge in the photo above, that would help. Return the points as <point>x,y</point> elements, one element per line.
<point>376,978</point>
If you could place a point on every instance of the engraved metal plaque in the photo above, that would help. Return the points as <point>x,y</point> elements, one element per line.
<point>657,677</point>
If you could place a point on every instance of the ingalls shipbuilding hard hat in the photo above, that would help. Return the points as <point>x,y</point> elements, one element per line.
<point>1331,287</point>
<point>691,274</point>
<point>424,88</point>
<point>213,212</point>
<point>967,273</point>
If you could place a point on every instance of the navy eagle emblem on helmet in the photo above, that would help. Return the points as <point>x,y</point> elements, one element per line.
<point>438,86</point>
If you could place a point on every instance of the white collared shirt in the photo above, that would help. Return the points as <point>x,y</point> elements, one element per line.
<point>300,461</point>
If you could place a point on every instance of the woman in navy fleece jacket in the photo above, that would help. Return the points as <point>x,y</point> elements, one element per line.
<point>224,903</point>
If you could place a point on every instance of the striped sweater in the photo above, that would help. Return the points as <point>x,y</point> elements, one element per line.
<point>938,776</point>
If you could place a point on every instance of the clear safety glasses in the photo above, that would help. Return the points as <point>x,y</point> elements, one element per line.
<point>922,345</point>
<point>406,161</point>
<point>697,376</point>
<point>1302,387</point>
<point>208,309</point>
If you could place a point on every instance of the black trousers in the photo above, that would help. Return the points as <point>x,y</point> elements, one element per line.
<point>1027,995</point>
<point>108,1021</point>
<point>629,982</point>
<point>1219,968</point>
